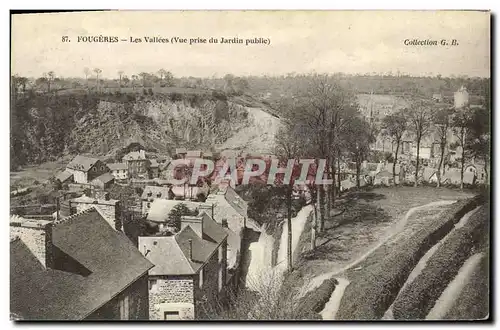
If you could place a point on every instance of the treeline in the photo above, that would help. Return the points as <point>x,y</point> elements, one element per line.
<point>322,121</point>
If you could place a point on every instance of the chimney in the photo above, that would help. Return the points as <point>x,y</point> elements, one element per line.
<point>142,153</point>
<point>37,235</point>
<point>190,249</point>
<point>208,209</point>
<point>224,223</point>
<point>196,223</point>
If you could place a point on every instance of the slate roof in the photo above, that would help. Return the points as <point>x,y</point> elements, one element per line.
<point>155,190</point>
<point>82,163</point>
<point>117,166</point>
<point>105,178</point>
<point>236,201</point>
<point>114,263</point>
<point>63,176</point>
<point>171,254</point>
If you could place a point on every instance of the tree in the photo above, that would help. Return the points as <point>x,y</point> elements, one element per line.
<point>420,120</point>
<point>178,211</point>
<point>357,139</point>
<point>87,73</point>
<point>143,75</point>
<point>120,75</point>
<point>50,77</point>
<point>162,73</point>
<point>97,72</point>
<point>478,140</point>
<point>461,123</point>
<point>134,80</point>
<point>395,125</point>
<point>442,123</point>
<point>169,79</point>
<point>289,146</point>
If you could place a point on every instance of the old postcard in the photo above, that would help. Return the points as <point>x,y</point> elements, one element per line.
<point>250,165</point>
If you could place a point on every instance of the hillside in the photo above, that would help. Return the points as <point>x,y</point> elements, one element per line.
<point>102,124</point>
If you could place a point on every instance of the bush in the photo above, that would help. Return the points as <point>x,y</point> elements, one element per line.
<point>372,292</point>
<point>419,296</point>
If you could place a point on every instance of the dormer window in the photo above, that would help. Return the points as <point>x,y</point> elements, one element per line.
<point>158,195</point>
<point>150,193</point>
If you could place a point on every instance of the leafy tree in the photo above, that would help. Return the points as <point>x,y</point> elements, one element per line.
<point>178,211</point>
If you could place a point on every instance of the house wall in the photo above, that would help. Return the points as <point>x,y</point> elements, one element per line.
<point>138,168</point>
<point>37,239</point>
<point>171,294</point>
<point>110,212</point>
<point>98,169</point>
<point>120,174</point>
<point>78,176</point>
<point>207,295</point>
<point>138,303</point>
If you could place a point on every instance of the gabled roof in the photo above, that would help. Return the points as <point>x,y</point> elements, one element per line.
<point>64,175</point>
<point>212,229</point>
<point>154,190</point>
<point>202,248</point>
<point>134,155</point>
<point>117,166</point>
<point>105,178</point>
<point>113,261</point>
<point>154,163</point>
<point>82,163</point>
<point>236,201</point>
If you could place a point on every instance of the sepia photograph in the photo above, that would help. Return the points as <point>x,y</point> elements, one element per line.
<point>250,165</point>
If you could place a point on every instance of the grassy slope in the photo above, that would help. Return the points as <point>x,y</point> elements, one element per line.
<point>419,297</point>
<point>383,273</point>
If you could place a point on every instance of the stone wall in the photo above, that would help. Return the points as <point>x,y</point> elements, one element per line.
<point>108,211</point>
<point>138,302</point>
<point>37,235</point>
<point>171,294</point>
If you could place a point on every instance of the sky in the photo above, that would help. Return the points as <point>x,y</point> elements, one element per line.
<point>300,41</point>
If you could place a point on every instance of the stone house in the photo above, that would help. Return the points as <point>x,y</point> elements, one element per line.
<point>189,276</point>
<point>108,208</point>
<point>119,171</point>
<point>150,194</point>
<point>137,164</point>
<point>103,181</point>
<point>85,169</point>
<point>77,268</point>
<point>154,169</point>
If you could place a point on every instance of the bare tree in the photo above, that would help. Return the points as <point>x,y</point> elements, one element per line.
<point>87,73</point>
<point>395,125</point>
<point>134,80</point>
<point>50,77</point>
<point>420,120</point>
<point>358,138</point>
<point>97,72</point>
<point>442,119</point>
<point>461,122</point>
<point>143,75</point>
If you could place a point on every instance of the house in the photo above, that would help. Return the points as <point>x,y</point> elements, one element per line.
<point>64,177</point>
<point>151,193</point>
<point>438,98</point>
<point>108,208</point>
<point>119,171</point>
<point>190,192</point>
<point>137,164</point>
<point>181,152</point>
<point>461,98</point>
<point>154,169</point>
<point>85,169</point>
<point>77,268</point>
<point>191,154</point>
<point>190,270</point>
<point>104,181</point>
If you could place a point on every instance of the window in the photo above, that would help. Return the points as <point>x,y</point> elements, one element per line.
<point>124,308</point>
<point>171,315</point>
<point>148,205</point>
<point>201,278</point>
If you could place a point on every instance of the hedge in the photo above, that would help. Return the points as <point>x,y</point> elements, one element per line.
<point>374,288</point>
<point>418,298</point>
<point>314,301</point>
